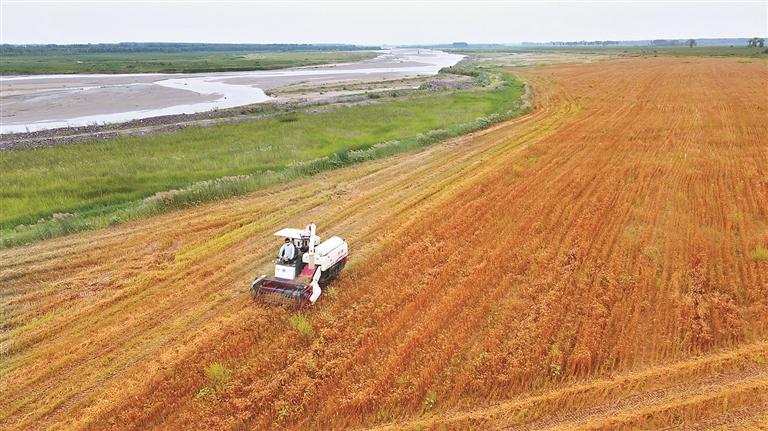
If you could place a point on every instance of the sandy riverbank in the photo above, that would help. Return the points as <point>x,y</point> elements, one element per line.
<point>32,103</point>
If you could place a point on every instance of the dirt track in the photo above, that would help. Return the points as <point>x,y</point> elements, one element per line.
<point>560,270</point>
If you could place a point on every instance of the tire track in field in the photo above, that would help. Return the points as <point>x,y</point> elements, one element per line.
<point>624,401</point>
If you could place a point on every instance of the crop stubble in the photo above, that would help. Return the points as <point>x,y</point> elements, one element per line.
<point>585,266</point>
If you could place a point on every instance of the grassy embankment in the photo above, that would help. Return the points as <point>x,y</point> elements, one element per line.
<point>54,191</point>
<point>163,62</point>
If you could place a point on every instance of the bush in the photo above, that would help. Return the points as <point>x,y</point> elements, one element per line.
<point>432,136</point>
<point>302,326</point>
<point>290,118</point>
<point>331,293</point>
<point>202,191</point>
<point>459,70</point>
<point>429,402</point>
<point>759,254</point>
<point>218,376</point>
<point>555,370</point>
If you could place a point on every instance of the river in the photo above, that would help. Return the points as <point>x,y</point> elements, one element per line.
<point>40,102</point>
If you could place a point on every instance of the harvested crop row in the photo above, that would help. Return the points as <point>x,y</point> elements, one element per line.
<point>622,239</point>
<point>595,249</point>
<point>91,317</point>
<point>658,393</point>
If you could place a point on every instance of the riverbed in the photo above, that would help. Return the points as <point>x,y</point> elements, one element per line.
<point>40,102</point>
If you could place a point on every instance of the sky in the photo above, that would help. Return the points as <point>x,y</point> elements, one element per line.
<point>374,22</point>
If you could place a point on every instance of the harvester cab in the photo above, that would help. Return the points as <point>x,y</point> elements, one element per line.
<point>299,280</point>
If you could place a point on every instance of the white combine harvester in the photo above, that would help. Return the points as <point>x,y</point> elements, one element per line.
<point>299,281</point>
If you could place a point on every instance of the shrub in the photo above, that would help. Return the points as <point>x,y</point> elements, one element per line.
<point>331,293</point>
<point>201,191</point>
<point>459,70</point>
<point>759,254</point>
<point>301,325</point>
<point>429,402</point>
<point>282,413</point>
<point>61,216</point>
<point>162,198</point>
<point>218,376</point>
<point>555,370</point>
<point>290,118</point>
<point>432,136</point>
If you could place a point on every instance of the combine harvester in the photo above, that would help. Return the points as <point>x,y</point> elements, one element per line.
<point>298,281</point>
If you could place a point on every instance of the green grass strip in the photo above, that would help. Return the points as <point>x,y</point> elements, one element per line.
<point>51,192</point>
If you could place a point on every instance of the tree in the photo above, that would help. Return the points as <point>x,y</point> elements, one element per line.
<point>691,43</point>
<point>756,42</point>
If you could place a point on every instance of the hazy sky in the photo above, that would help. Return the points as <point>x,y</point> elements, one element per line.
<point>369,22</point>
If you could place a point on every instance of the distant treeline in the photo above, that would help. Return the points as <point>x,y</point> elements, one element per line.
<point>578,43</point>
<point>654,42</point>
<point>591,43</point>
<point>457,45</point>
<point>135,47</point>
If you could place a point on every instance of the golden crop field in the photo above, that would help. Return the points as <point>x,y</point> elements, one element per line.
<point>600,263</point>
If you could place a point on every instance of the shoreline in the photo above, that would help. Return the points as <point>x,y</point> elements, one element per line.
<point>285,100</point>
<point>35,103</point>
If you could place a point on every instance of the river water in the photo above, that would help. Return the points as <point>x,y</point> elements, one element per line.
<point>32,103</point>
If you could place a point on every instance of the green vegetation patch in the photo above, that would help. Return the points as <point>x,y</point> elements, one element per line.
<point>302,326</point>
<point>54,191</point>
<point>163,62</point>
<point>760,253</point>
<point>218,377</point>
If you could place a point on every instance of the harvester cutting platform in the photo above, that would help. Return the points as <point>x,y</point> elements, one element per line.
<point>305,266</point>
